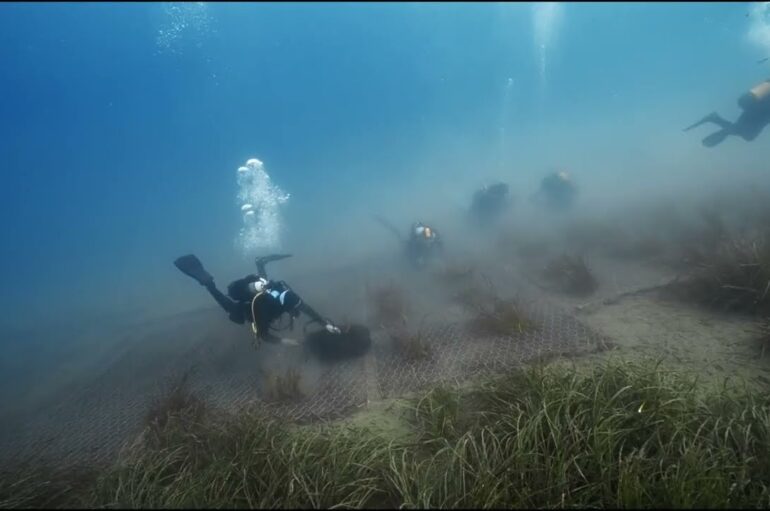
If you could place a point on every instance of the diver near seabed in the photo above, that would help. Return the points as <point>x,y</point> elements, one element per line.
<point>421,246</point>
<point>255,298</point>
<point>557,191</point>
<point>489,202</point>
<point>753,119</point>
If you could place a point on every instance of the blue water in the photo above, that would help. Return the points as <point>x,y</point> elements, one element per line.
<point>122,126</point>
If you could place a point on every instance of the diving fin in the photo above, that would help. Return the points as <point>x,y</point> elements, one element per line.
<point>712,117</point>
<point>715,138</point>
<point>271,258</point>
<point>389,227</point>
<point>192,267</point>
<point>262,261</point>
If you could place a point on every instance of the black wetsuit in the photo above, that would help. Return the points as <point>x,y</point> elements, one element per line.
<point>267,307</point>
<point>748,126</point>
<point>420,250</point>
<point>754,117</point>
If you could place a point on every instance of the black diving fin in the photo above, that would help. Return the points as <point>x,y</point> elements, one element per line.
<point>192,267</point>
<point>389,227</point>
<point>713,117</point>
<point>262,261</point>
<point>715,138</point>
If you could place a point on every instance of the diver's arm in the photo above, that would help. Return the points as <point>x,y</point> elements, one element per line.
<point>310,312</point>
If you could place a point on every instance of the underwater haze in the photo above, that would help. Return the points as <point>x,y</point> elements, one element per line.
<point>123,127</point>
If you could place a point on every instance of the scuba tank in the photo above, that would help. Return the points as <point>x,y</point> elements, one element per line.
<point>759,94</point>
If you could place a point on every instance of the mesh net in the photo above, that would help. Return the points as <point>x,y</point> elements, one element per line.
<point>92,423</point>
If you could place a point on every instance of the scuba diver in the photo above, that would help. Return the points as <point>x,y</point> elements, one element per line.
<point>557,191</point>
<point>489,202</point>
<point>753,119</point>
<point>421,246</point>
<point>255,297</point>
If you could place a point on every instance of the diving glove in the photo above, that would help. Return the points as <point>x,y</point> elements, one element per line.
<point>332,329</point>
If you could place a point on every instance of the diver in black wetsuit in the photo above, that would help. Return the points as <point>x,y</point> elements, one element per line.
<point>254,297</point>
<point>489,202</point>
<point>753,119</point>
<point>423,244</point>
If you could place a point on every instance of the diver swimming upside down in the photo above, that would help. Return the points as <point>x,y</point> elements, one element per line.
<point>255,297</point>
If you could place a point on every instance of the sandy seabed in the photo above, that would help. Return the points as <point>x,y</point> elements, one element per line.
<point>103,407</point>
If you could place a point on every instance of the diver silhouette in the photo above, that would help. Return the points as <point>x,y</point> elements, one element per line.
<point>254,297</point>
<point>753,119</point>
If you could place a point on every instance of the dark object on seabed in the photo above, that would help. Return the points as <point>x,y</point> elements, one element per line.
<point>354,341</point>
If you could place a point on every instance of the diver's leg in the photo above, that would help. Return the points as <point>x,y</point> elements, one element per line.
<point>226,303</point>
<point>192,267</point>
<point>728,128</point>
<point>712,117</point>
<point>749,125</point>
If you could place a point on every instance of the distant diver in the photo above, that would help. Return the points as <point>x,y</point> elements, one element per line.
<point>557,191</point>
<point>255,297</point>
<point>753,119</point>
<point>422,245</point>
<point>489,202</point>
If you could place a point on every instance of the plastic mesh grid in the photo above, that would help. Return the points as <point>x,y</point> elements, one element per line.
<point>92,425</point>
<point>456,354</point>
